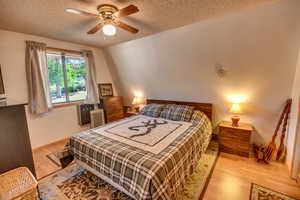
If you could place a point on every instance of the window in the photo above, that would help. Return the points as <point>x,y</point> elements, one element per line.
<point>67,77</point>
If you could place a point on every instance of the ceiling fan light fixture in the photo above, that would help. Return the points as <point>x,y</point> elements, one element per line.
<point>109,30</point>
<point>70,10</point>
<point>108,17</point>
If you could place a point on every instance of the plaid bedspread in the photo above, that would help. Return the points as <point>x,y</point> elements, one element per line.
<point>143,174</point>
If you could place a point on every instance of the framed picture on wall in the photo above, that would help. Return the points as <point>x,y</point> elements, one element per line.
<point>105,90</point>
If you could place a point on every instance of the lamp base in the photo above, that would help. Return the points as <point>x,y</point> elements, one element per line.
<point>137,109</point>
<point>235,121</point>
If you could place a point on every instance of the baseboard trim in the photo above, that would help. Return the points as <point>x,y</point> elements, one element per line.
<point>50,144</point>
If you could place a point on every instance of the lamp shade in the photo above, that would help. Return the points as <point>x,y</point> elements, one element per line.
<point>136,100</point>
<point>235,109</point>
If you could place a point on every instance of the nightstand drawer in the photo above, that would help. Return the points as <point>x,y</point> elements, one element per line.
<point>235,150</point>
<point>234,143</point>
<point>129,114</point>
<point>115,116</point>
<point>235,134</point>
<point>111,111</point>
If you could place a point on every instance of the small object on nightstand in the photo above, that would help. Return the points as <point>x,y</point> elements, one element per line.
<point>235,109</point>
<point>235,140</point>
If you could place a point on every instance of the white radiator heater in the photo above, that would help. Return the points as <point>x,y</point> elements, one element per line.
<point>97,118</point>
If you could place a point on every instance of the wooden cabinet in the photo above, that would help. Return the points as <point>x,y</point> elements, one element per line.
<point>235,140</point>
<point>113,108</point>
<point>298,176</point>
<point>15,147</point>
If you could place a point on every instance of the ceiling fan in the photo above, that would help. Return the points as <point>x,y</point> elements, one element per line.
<point>109,16</point>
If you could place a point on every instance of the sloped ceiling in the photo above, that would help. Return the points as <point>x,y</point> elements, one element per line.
<point>48,17</point>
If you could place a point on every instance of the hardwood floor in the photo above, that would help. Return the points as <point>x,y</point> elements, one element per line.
<point>231,179</point>
<point>43,165</point>
<point>233,175</point>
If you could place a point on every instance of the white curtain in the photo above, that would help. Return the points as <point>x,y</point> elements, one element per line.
<point>37,78</point>
<point>91,83</point>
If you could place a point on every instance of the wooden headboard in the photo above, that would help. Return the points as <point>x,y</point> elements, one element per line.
<point>204,107</point>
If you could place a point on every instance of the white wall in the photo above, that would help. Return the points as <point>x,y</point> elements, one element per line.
<point>259,48</point>
<point>293,154</point>
<point>61,122</point>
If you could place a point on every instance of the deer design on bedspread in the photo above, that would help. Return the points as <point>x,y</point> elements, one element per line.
<point>147,125</point>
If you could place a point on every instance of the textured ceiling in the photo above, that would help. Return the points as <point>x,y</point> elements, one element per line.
<point>48,17</point>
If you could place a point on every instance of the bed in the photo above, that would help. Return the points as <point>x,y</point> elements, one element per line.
<point>143,156</point>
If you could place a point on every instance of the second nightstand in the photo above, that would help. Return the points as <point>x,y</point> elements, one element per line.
<point>130,113</point>
<point>235,140</point>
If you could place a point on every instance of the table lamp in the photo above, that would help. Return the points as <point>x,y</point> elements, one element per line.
<point>137,100</point>
<point>235,109</point>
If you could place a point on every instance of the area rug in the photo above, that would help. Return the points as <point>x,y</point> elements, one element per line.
<point>75,183</point>
<point>261,193</point>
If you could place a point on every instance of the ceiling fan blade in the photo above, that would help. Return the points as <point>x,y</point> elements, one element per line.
<point>81,12</point>
<point>126,11</point>
<point>95,29</point>
<point>127,27</point>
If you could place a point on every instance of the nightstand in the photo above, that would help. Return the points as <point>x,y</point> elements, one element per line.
<point>235,140</point>
<point>130,113</point>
